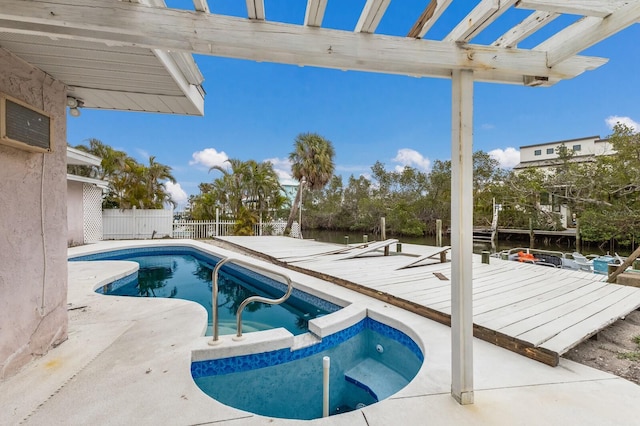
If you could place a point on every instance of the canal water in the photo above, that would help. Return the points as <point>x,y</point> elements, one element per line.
<point>478,247</point>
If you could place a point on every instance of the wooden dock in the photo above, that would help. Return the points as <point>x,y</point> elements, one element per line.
<point>536,311</point>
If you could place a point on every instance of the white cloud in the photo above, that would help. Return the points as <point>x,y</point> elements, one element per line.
<point>209,157</point>
<point>143,155</point>
<point>612,120</point>
<point>282,167</point>
<point>506,157</point>
<point>410,157</point>
<point>487,126</point>
<point>178,195</point>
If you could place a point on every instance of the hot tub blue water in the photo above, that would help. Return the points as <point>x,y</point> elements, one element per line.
<point>185,273</point>
<point>370,361</point>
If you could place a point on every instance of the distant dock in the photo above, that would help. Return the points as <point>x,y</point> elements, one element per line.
<point>484,234</point>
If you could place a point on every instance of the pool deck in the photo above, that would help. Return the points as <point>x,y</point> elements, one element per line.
<point>537,311</point>
<point>127,361</point>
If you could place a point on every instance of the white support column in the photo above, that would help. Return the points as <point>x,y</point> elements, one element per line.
<point>462,236</point>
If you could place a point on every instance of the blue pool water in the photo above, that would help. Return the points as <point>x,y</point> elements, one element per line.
<point>186,274</point>
<point>370,361</point>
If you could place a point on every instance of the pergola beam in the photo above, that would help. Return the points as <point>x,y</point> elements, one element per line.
<point>201,5</point>
<point>371,15</point>
<point>596,8</point>
<point>428,17</point>
<point>255,10</point>
<point>486,12</point>
<point>524,29</point>
<point>218,35</point>
<point>315,13</point>
<point>587,32</point>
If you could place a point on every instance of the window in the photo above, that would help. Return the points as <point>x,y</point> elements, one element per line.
<point>577,147</point>
<point>537,152</point>
<point>549,150</point>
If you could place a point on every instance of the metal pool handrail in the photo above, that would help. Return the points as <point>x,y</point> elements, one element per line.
<point>245,302</point>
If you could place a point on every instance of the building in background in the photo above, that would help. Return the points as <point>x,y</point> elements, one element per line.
<point>545,156</point>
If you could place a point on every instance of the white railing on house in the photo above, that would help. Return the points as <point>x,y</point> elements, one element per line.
<point>136,224</point>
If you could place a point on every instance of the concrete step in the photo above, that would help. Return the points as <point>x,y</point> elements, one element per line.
<point>376,378</point>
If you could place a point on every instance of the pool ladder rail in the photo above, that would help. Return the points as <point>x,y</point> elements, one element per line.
<point>245,302</point>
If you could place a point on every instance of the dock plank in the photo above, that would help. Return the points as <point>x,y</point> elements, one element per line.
<point>578,311</point>
<point>501,316</point>
<point>578,332</point>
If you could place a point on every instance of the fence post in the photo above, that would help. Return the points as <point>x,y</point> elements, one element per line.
<point>136,230</point>
<point>383,229</point>
<point>439,232</point>
<point>217,221</point>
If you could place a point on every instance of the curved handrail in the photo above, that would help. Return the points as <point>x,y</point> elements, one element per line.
<point>245,302</point>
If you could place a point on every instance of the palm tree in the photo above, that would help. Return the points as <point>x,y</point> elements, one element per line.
<point>156,175</point>
<point>234,182</point>
<point>264,189</point>
<point>312,166</point>
<point>130,183</point>
<point>113,161</point>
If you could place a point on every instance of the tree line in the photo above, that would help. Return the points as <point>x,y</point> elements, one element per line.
<point>602,192</point>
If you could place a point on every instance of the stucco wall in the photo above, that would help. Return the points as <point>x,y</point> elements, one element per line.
<point>32,265</point>
<point>75,213</point>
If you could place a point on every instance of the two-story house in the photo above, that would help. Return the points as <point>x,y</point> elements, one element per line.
<point>545,156</point>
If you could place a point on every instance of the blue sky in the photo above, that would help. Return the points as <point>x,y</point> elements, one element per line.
<point>255,110</point>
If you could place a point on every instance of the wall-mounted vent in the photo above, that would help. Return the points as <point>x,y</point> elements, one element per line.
<point>23,126</point>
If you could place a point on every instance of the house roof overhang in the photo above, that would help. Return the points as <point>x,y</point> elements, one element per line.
<point>104,75</point>
<point>76,157</point>
<point>97,182</point>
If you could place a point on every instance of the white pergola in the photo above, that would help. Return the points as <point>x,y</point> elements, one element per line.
<point>148,25</point>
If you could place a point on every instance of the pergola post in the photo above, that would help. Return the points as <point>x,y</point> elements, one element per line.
<point>462,236</point>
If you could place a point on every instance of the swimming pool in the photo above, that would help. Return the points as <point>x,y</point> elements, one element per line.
<point>185,273</point>
<point>370,361</point>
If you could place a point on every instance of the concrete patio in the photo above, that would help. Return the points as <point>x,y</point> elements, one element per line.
<point>127,361</point>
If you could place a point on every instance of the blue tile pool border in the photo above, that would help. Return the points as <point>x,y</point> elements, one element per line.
<point>242,273</point>
<point>240,363</point>
<point>114,285</point>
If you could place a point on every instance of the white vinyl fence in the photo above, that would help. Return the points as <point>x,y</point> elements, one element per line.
<point>136,224</point>
<point>145,224</point>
